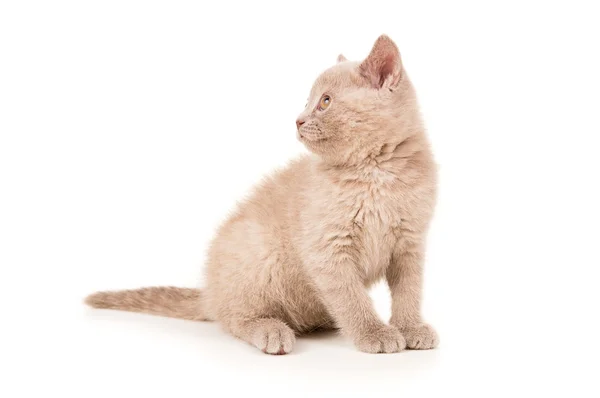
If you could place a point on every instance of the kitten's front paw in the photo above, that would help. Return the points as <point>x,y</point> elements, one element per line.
<point>386,339</point>
<point>420,337</point>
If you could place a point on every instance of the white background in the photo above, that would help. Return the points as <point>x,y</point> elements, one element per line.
<point>129,129</point>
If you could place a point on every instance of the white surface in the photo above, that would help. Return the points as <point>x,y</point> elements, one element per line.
<point>128,129</point>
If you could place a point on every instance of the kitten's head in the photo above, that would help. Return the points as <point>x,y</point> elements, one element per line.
<point>356,108</point>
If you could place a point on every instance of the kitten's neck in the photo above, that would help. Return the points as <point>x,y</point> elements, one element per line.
<point>394,159</point>
<point>389,153</point>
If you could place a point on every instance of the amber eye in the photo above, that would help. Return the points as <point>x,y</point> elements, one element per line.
<point>324,103</point>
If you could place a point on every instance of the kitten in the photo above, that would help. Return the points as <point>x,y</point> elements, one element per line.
<point>301,251</point>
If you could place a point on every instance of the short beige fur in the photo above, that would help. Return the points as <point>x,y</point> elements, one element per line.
<point>300,253</point>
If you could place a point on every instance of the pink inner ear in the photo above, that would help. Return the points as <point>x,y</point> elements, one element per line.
<point>387,68</point>
<point>382,62</point>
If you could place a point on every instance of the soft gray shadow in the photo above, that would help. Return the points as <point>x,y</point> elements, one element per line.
<point>330,352</point>
<point>155,324</point>
<point>320,338</point>
<point>320,352</point>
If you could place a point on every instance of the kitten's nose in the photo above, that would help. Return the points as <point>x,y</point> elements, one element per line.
<point>299,123</point>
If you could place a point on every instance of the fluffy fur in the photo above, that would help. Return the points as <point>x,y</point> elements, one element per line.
<point>301,251</point>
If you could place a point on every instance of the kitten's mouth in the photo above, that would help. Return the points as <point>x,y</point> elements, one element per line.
<point>315,138</point>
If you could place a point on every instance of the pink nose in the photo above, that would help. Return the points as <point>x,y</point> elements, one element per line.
<point>299,123</point>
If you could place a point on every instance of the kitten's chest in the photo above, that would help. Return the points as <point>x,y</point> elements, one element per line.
<point>358,216</point>
<point>377,218</point>
<point>372,214</point>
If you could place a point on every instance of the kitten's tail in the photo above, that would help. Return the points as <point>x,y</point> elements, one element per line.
<point>174,302</point>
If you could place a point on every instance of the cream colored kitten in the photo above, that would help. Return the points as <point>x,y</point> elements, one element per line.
<point>301,251</point>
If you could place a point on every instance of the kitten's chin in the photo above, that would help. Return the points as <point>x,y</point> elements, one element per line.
<point>311,138</point>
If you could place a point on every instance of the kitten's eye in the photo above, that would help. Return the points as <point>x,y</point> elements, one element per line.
<point>324,103</point>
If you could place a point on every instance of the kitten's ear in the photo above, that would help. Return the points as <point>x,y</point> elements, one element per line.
<point>383,66</point>
<point>341,58</point>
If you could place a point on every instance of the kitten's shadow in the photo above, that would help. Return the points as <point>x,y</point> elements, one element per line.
<point>336,351</point>
<point>156,324</point>
<point>323,337</point>
<point>324,350</point>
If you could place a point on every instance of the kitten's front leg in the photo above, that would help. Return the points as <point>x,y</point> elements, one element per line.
<point>404,277</point>
<point>347,300</point>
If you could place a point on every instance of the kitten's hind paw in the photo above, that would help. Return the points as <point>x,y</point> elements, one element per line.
<point>386,339</point>
<point>274,337</point>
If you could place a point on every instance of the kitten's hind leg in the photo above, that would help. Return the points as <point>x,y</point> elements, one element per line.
<point>270,335</point>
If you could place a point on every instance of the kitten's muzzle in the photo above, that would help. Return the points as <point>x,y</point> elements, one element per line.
<point>299,123</point>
